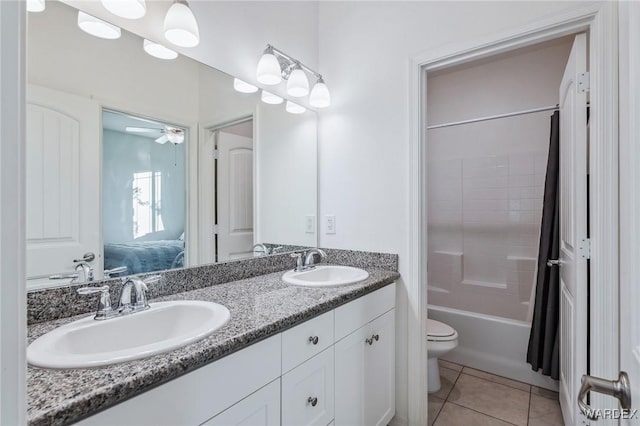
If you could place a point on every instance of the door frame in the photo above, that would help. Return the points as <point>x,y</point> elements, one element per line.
<point>600,21</point>
<point>13,318</point>
<point>629,177</point>
<point>205,197</point>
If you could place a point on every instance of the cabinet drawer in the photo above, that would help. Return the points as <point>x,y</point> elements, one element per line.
<point>261,408</point>
<point>355,314</point>
<point>197,396</point>
<point>306,340</point>
<point>307,392</point>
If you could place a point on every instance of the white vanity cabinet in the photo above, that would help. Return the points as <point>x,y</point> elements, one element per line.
<point>335,369</point>
<point>365,374</point>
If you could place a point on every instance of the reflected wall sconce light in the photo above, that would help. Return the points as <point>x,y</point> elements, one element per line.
<point>97,27</point>
<point>35,5</point>
<point>129,9</point>
<point>275,66</point>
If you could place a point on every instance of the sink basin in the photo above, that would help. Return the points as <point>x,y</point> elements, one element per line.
<point>163,327</point>
<point>326,276</point>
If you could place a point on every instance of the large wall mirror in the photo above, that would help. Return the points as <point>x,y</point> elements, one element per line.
<point>137,164</point>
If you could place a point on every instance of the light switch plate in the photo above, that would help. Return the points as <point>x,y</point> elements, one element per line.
<point>330,224</point>
<point>310,224</point>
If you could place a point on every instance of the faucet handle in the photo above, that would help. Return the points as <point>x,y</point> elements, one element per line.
<point>299,261</point>
<point>115,271</point>
<point>104,303</point>
<point>151,279</point>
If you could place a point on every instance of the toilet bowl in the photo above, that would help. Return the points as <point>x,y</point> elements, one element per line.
<point>440,340</point>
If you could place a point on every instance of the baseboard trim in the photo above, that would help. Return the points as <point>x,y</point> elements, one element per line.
<point>398,421</point>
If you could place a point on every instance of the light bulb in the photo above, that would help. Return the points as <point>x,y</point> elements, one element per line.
<point>243,86</point>
<point>298,84</point>
<point>320,97</point>
<point>269,71</point>
<point>35,5</point>
<point>180,26</point>
<point>294,108</point>
<point>158,51</point>
<point>130,9</point>
<point>97,27</point>
<point>270,98</point>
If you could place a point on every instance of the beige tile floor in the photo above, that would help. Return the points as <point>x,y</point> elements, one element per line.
<point>471,397</point>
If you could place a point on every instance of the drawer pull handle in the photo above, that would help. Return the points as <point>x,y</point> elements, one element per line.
<point>314,339</point>
<point>374,337</point>
<point>313,401</point>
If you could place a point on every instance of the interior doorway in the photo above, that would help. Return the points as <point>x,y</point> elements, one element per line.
<point>228,189</point>
<point>599,24</point>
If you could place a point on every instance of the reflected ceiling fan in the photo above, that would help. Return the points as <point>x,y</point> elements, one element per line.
<point>171,134</point>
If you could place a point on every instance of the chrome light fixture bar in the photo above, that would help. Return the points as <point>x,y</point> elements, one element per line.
<point>275,65</point>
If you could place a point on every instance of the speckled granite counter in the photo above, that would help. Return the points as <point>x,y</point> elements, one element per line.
<point>260,307</point>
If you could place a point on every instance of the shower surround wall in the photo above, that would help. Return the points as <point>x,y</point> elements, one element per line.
<point>486,179</point>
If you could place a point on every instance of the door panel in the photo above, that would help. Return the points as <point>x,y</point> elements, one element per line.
<point>573,230</point>
<point>62,168</point>
<point>235,196</point>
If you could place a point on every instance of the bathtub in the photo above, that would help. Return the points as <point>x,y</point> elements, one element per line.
<point>493,344</point>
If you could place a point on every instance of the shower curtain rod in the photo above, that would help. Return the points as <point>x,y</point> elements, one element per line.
<point>493,117</point>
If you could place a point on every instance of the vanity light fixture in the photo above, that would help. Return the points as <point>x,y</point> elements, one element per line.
<point>243,86</point>
<point>180,25</point>
<point>158,51</point>
<point>35,5</point>
<point>269,71</point>
<point>270,98</point>
<point>97,27</point>
<point>294,108</point>
<point>275,65</point>
<point>298,84</point>
<point>130,9</point>
<point>320,96</point>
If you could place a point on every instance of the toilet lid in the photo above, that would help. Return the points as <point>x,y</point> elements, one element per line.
<point>438,330</point>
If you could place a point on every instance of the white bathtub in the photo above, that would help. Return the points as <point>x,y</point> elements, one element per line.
<point>493,344</point>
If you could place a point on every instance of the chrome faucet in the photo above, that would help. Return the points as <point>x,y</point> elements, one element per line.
<point>309,261</point>
<point>263,248</point>
<point>125,307</point>
<point>140,286</point>
<point>87,272</point>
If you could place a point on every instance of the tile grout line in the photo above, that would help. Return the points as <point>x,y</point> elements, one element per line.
<point>446,399</point>
<point>485,414</point>
<point>494,381</point>
<point>529,409</point>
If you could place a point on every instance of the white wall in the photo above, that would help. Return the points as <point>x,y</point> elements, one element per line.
<point>364,137</point>
<point>286,175</point>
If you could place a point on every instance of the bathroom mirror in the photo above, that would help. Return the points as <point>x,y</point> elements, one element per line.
<point>138,164</point>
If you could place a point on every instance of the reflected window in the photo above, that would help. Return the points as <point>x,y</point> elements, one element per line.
<point>147,203</point>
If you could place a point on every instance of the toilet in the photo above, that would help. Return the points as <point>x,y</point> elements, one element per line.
<point>440,340</point>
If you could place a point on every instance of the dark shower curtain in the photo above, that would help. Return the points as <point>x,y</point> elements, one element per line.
<point>544,351</point>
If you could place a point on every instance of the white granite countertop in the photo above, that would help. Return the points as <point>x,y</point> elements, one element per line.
<point>260,307</point>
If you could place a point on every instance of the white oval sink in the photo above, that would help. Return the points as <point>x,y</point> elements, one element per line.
<point>163,327</point>
<point>326,276</point>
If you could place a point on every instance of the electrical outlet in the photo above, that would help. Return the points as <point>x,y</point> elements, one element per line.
<point>310,224</point>
<point>330,224</point>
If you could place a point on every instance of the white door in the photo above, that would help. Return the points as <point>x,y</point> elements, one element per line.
<point>62,179</point>
<point>573,230</point>
<point>235,196</point>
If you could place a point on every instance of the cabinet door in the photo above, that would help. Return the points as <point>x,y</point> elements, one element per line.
<point>261,408</point>
<point>380,365</point>
<point>365,374</point>
<point>307,392</point>
<point>350,378</point>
